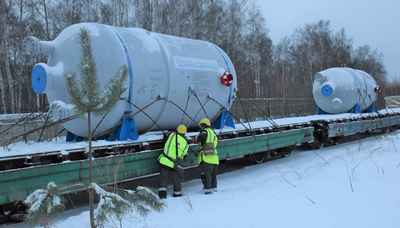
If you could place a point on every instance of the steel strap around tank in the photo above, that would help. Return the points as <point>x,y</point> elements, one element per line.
<point>130,68</point>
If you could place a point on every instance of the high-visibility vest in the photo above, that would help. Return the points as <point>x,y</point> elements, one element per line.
<point>211,143</point>
<point>176,146</point>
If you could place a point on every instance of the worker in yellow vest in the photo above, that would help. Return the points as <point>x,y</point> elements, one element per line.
<point>175,150</point>
<point>208,156</point>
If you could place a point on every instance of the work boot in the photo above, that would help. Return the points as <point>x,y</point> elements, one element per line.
<point>203,179</point>
<point>162,194</point>
<point>177,194</point>
<point>208,191</point>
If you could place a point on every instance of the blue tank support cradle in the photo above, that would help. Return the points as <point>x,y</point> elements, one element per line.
<point>356,109</point>
<point>71,137</point>
<point>372,108</point>
<point>127,130</point>
<point>224,119</point>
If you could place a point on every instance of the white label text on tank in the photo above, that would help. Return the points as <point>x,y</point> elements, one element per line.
<point>194,63</point>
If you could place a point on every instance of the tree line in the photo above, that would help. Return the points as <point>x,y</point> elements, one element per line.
<point>264,69</point>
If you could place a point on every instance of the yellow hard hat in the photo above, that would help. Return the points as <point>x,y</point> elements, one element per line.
<point>205,121</point>
<point>181,129</point>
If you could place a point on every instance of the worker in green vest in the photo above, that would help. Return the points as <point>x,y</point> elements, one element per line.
<point>208,156</point>
<point>175,150</point>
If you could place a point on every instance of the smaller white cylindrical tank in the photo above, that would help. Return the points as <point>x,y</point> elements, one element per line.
<point>340,90</point>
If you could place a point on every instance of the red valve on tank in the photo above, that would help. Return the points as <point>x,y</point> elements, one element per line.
<point>226,79</point>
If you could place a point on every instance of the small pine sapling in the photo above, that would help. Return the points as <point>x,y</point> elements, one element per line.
<point>88,99</point>
<point>143,200</point>
<point>44,204</point>
<point>110,206</point>
<point>125,202</point>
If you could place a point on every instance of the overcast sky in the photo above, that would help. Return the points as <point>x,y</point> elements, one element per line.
<point>372,22</point>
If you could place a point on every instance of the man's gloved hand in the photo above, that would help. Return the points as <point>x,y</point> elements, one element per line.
<point>178,162</point>
<point>178,165</point>
<point>179,169</point>
<point>195,152</point>
<point>59,110</point>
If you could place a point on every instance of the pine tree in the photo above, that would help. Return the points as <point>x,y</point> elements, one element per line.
<point>43,204</point>
<point>117,205</point>
<point>143,200</point>
<point>111,206</point>
<point>87,99</point>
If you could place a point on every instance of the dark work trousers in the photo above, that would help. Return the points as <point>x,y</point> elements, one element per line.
<point>167,175</point>
<point>208,175</point>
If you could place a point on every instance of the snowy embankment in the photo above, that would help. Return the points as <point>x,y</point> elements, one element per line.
<point>21,148</point>
<point>349,185</point>
<point>17,116</point>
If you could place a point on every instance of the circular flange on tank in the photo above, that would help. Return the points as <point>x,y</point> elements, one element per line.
<point>39,79</point>
<point>327,90</point>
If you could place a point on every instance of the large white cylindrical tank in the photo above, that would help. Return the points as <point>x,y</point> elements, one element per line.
<point>340,90</point>
<point>173,74</point>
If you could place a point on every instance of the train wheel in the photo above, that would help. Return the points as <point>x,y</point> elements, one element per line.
<point>259,158</point>
<point>283,152</point>
<point>316,145</point>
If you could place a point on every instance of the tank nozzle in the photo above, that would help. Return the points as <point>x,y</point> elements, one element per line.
<point>40,74</point>
<point>36,46</point>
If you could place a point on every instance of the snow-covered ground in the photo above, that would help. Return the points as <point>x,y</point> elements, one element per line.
<point>21,148</point>
<point>349,185</point>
